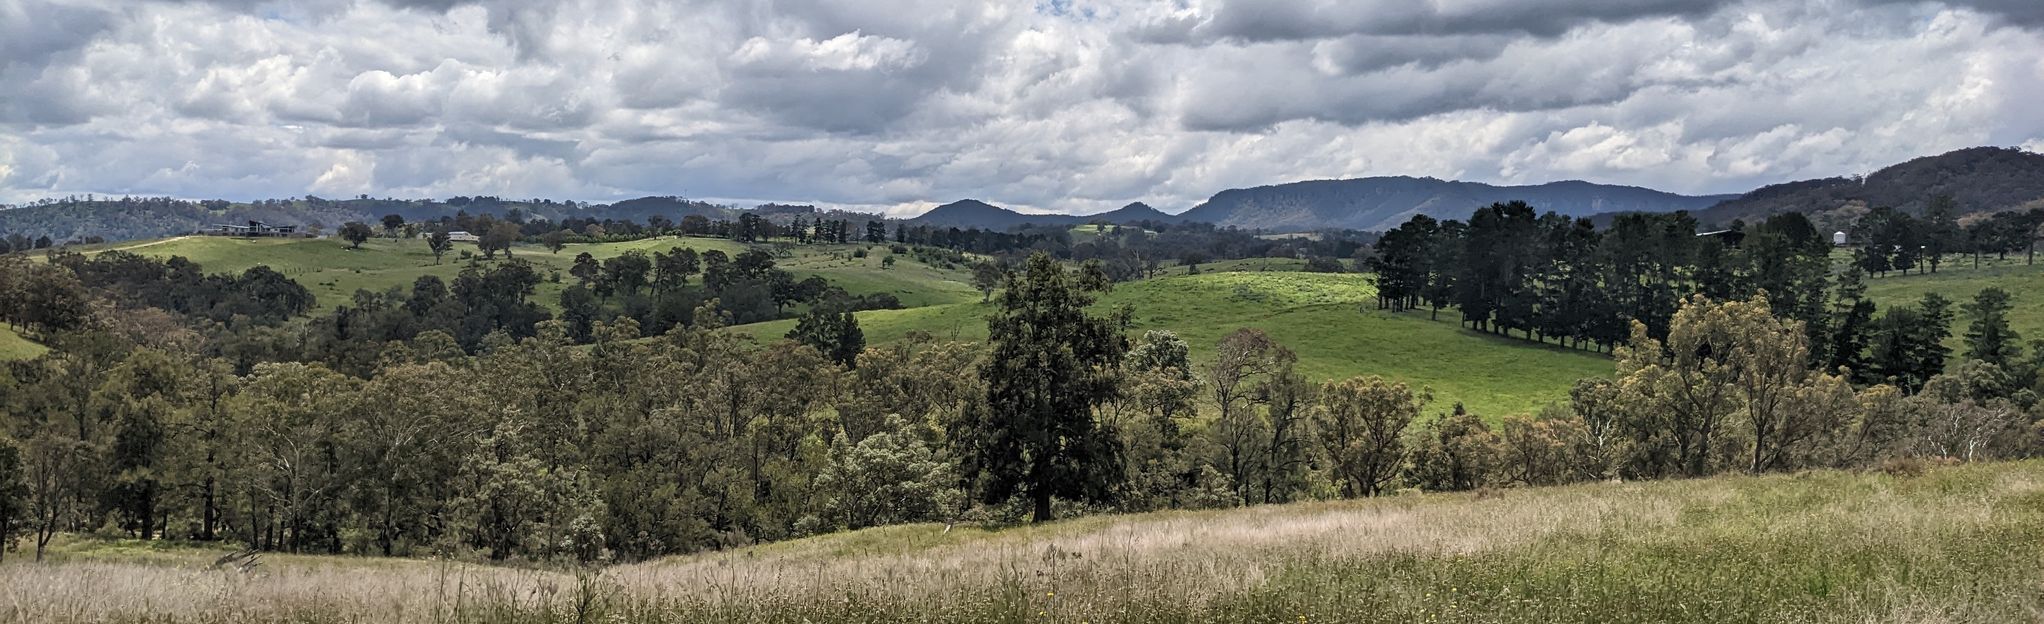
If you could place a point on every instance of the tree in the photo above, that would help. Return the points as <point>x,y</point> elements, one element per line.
<point>1956,419</point>
<point>498,238</point>
<point>833,331</point>
<point>889,477</point>
<point>13,495</point>
<point>393,224</point>
<point>986,277</point>
<point>626,273</point>
<point>356,233</point>
<point>671,270</point>
<point>1941,232</point>
<point>1242,360</point>
<point>580,310</point>
<point>1361,426</point>
<point>586,268</point>
<point>1456,452</point>
<point>1908,345</point>
<point>1989,338</point>
<point>554,241</point>
<point>439,244</point>
<point>1049,366</point>
<point>1851,321</point>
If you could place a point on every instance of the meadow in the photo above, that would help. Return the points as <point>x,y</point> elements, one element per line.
<point>1954,544</point>
<point>1329,319</point>
<point>1959,281</point>
<point>15,347</point>
<point>333,271</point>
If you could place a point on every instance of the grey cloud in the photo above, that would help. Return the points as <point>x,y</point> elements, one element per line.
<point>895,103</point>
<point>1318,19</point>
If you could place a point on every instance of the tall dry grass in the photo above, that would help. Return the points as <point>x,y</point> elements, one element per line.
<point>1962,544</point>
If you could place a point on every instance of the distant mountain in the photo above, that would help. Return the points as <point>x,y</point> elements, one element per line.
<point>1384,202</point>
<point>131,218</point>
<point>1980,179</point>
<point>973,213</point>
<point>1132,213</point>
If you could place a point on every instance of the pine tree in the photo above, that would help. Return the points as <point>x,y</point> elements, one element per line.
<point>1050,366</point>
<point>1988,336</point>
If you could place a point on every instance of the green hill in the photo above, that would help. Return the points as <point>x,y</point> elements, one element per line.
<point>333,272</point>
<point>1956,544</point>
<point>1960,282</point>
<point>1322,317</point>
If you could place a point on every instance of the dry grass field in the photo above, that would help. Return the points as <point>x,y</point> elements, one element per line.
<point>1958,544</point>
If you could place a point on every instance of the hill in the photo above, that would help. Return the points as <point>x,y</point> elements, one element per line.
<point>1955,544</point>
<point>1959,283</point>
<point>1384,202</point>
<point>1318,315</point>
<point>1132,213</point>
<point>1980,179</point>
<point>333,272</point>
<point>973,213</point>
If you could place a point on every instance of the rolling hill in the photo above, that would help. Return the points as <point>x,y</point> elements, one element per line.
<point>1959,282</point>
<point>333,272</point>
<point>1321,316</point>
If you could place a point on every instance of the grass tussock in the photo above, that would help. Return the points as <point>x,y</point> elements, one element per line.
<point>1944,544</point>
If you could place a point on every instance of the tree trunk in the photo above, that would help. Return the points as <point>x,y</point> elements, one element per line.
<point>1041,496</point>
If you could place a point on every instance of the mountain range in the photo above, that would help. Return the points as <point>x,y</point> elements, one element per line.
<point>1983,179</point>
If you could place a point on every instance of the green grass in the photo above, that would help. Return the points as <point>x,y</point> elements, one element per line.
<point>1959,282</point>
<point>1326,318</point>
<point>333,272</point>
<point>14,346</point>
<point>914,283</point>
<point>1956,544</point>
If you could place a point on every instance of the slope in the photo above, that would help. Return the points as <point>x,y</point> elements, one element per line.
<point>1980,179</point>
<point>333,272</point>
<point>1959,283</point>
<point>1320,316</point>
<point>14,346</point>
<point>1956,544</point>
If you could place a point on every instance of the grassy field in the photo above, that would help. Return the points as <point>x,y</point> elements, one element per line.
<point>1959,282</point>
<point>333,272</point>
<point>15,347</point>
<point>1329,319</point>
<point>1957,544</point>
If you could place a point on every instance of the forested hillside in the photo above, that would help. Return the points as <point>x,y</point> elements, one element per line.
<point>1382,203</point>
<point>1980,179</point>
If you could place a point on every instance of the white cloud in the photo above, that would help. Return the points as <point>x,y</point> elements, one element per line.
<point>898,105</point>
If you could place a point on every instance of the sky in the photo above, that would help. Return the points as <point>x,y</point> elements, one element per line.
<point>1065,106</point>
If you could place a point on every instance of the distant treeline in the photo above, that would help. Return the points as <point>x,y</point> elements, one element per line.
<point>1545,276</point>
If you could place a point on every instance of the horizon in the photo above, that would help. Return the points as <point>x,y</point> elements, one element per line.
<point>923,207</point>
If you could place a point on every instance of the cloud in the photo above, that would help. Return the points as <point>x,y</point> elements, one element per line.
<point>1075,106</point>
